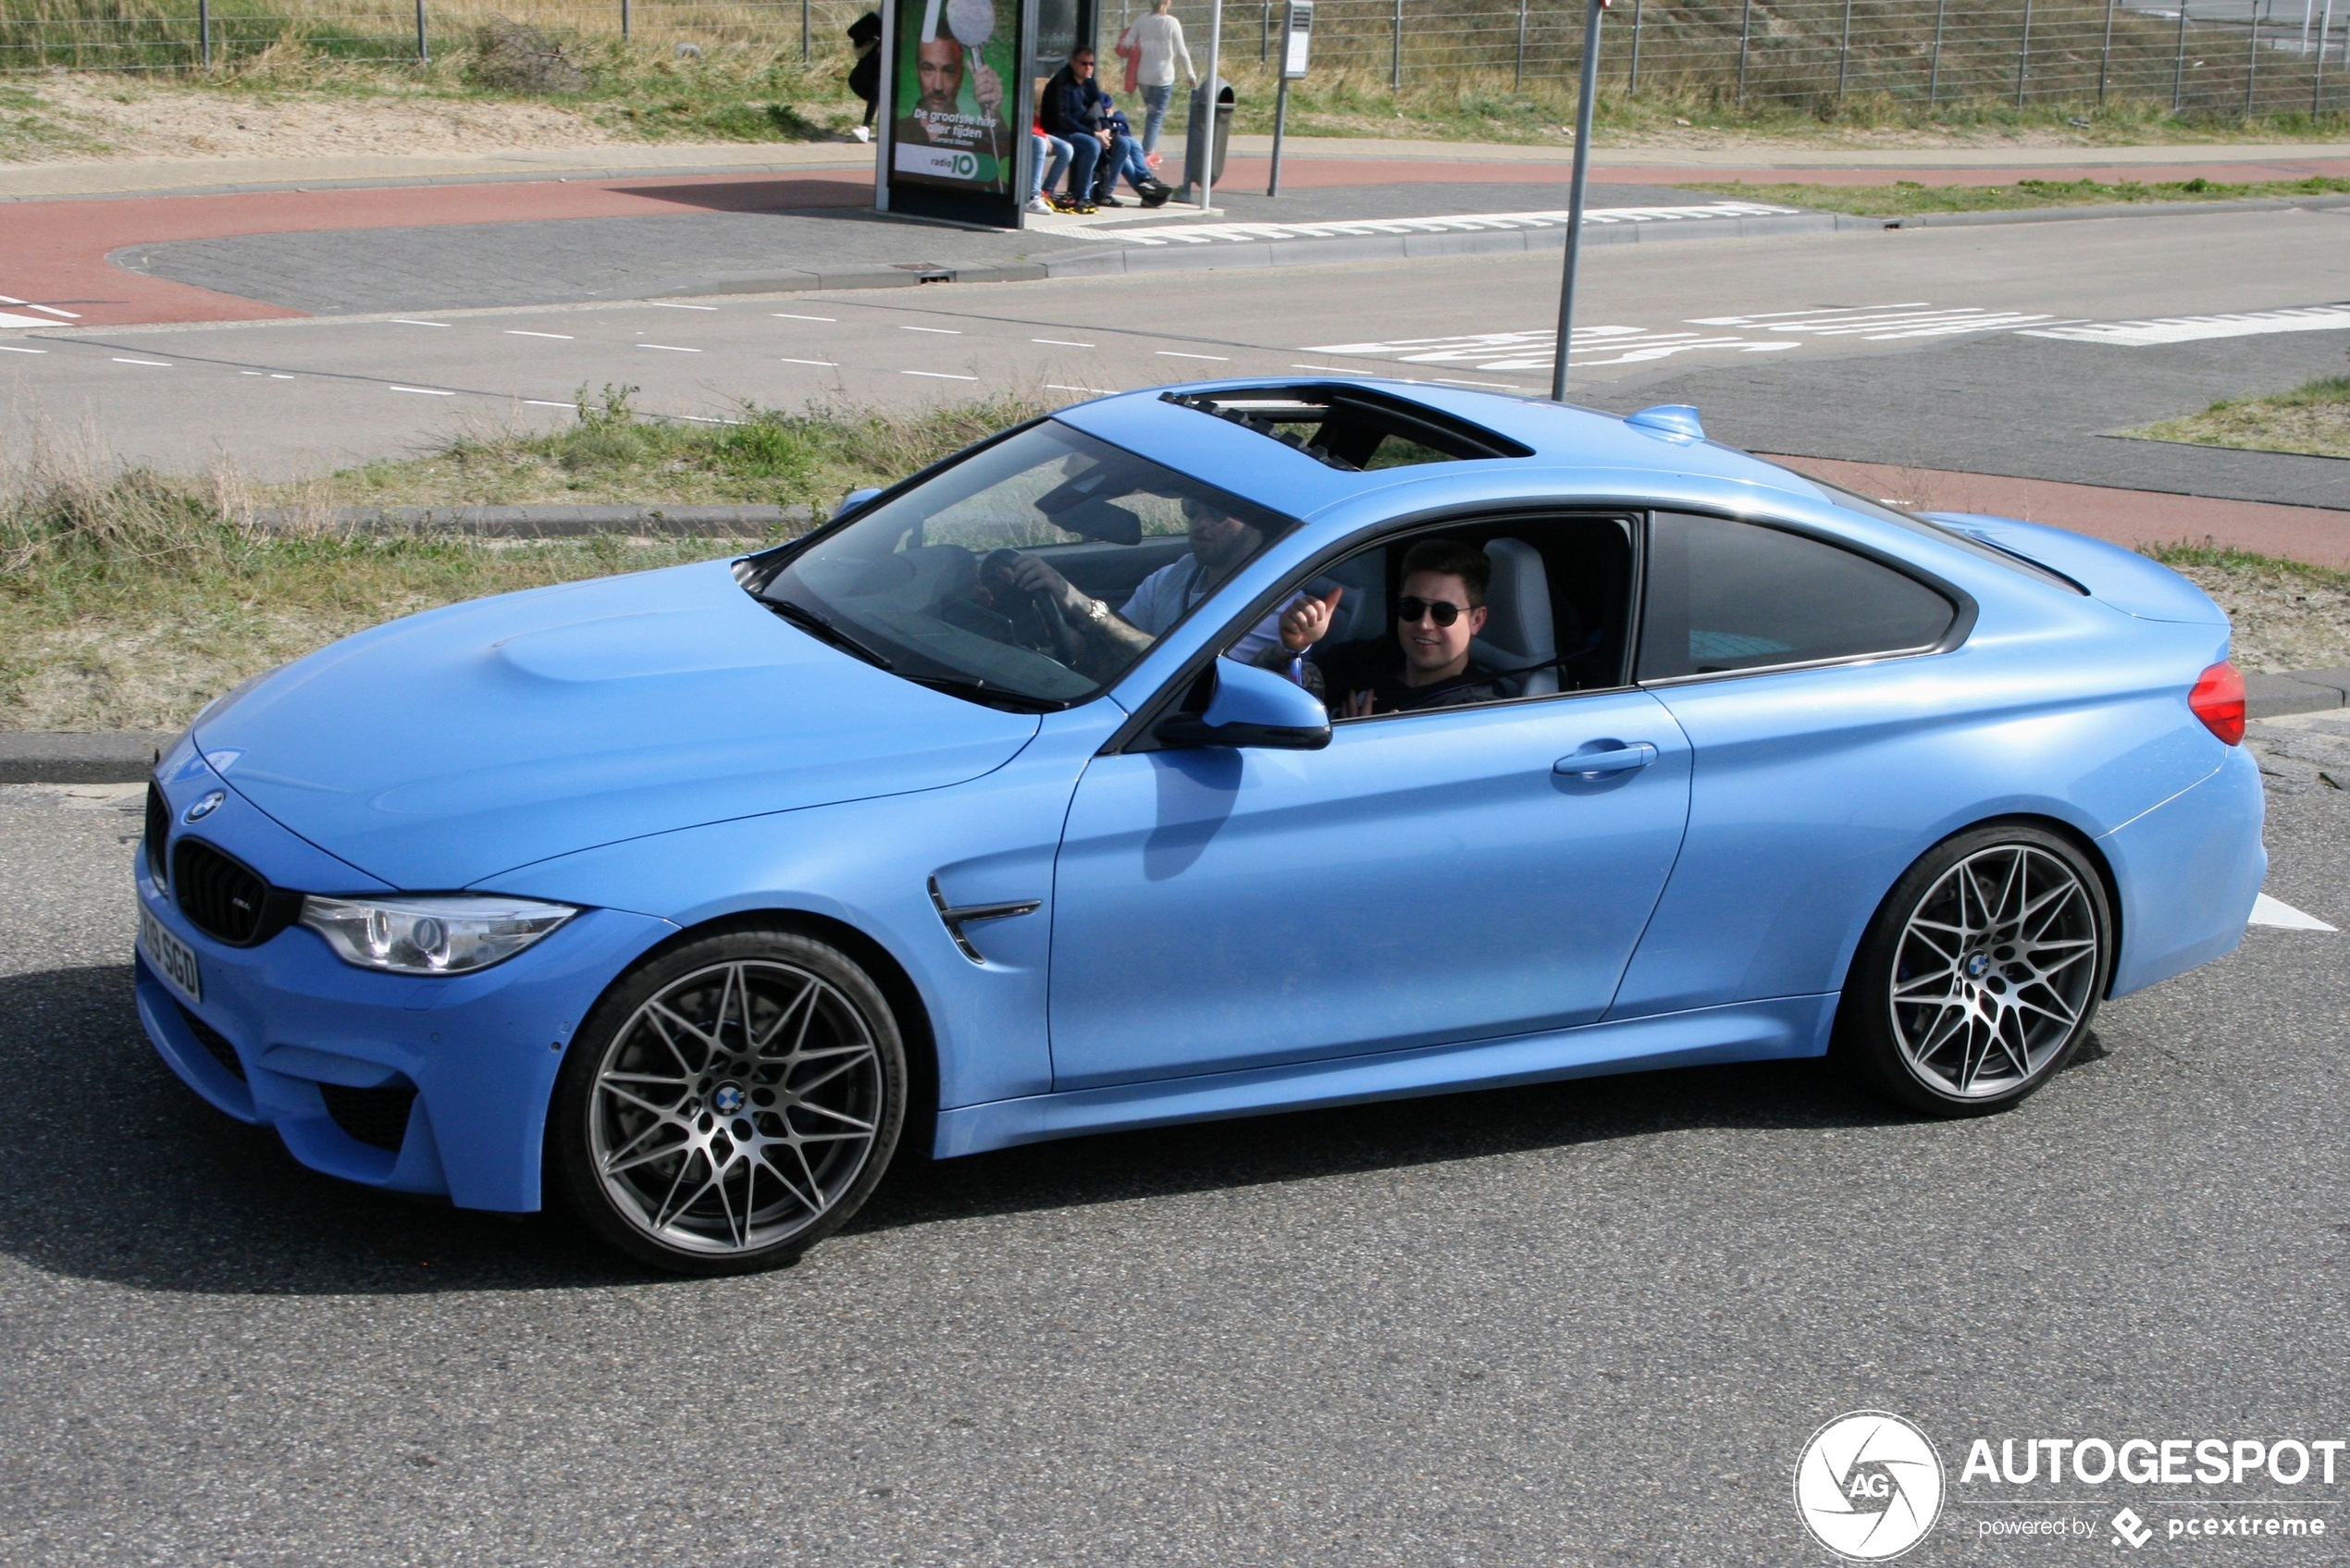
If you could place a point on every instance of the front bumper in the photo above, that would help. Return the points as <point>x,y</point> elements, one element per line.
<point>289,1036</point>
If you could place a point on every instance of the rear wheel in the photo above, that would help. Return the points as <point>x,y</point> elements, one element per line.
<point>1981,972</point>
<point>729,1103</point>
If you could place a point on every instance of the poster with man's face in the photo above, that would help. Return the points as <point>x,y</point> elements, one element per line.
<point>954,128</point>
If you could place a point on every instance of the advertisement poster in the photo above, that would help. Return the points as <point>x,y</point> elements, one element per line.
<point>956,64</point>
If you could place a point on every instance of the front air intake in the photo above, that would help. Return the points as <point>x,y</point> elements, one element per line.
<point>226,899</point>
<point>377,1117</point>
<point>214,1043</point>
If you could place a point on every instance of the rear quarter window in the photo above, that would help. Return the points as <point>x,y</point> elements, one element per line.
<point>1724,596</point>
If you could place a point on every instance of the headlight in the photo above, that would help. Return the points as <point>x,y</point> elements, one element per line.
<point>430,935</point>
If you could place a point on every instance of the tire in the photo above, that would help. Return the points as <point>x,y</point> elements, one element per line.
<point>729,1103</point>
<point>1980,973</point>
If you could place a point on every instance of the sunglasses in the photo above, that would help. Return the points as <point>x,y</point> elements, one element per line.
<point>1409,611</point>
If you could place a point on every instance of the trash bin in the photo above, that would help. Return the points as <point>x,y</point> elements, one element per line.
<point>1196,138</point>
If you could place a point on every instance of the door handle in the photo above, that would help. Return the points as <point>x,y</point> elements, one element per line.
<point>1609,758</point>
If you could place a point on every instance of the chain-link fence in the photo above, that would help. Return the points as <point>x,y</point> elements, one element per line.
<point>2249,58</point>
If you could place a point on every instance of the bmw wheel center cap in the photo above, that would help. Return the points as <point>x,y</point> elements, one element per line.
<point>728,1100</point>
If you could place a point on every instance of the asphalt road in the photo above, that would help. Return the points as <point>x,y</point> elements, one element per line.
<point>1760,332</point>
<point>1592,1323</point>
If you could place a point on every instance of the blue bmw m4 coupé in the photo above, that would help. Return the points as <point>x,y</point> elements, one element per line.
<point>1190,753</point>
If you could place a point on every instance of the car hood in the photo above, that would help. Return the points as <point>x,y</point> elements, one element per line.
<point>439,750</point>
<point>2122,579</point>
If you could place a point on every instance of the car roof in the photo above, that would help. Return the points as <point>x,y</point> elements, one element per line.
<point>1564,443</point>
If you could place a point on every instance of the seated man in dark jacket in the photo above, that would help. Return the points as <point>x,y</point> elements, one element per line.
<point>1426,664</point>
<point>1074,108</point>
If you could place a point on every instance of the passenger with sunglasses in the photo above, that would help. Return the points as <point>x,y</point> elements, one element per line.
<point>1425,662</point>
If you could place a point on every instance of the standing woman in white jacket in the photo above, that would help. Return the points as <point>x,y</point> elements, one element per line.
<point>1158,40</point>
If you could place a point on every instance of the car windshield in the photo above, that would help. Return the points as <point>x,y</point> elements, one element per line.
<point>1033,572</point>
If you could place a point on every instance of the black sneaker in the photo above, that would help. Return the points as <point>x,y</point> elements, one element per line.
<point>1155,193</point>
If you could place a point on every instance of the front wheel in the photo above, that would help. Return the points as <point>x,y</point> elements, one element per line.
<point>729,1103</point>
<point>1981,972</point>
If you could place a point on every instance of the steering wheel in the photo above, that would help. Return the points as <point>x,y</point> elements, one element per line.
<point>1035,618</point>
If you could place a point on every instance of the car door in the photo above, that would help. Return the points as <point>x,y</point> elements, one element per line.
<point>1456,875</point>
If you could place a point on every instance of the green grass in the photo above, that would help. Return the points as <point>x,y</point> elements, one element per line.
<point>129,598</point>
<point>27,132</point>
<point>1909,198</point>
<point>2313,418</point>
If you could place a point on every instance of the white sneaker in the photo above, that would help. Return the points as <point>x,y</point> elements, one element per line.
<point>861,133</point>
<point>1038,204</point>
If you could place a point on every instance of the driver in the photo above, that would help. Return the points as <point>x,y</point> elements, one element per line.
<point>1222,544</point>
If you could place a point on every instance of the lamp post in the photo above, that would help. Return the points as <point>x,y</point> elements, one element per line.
<point>1575,192</point>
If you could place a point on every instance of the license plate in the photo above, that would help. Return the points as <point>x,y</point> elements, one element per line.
<point>170,958</point>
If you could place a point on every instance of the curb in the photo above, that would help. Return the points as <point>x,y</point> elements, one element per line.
<point>56,757</point>
<point>2114,209</point>
<point>536,522</point>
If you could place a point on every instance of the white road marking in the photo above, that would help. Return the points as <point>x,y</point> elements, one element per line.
<point>1057,386</point>
<point>425,392</point>
<point>252,373</point>
<point>9,319</point>
<point>1535,350</point>
<point>2267,912</point>
<point>664,304</point>
<point>948,331</point>
<point>518,332</point>
<point>1061,342</point>
<point>828,365</point>
<point>787,316</point>
<point>1333,370</point>
<point>403,321</point>
<point>698,419</point>
<point>938,375</point>
<point>11,348</point>
<point>1878,323</point>
<point>2156,330</point>
<point>1177,353</point>
<point>279,375</point>
<point>1234,234</point>
<point>159,364</point>
<point>45,309</point>
<point>669,348</point>
<point>1457,381</point>
<point>542,403</point>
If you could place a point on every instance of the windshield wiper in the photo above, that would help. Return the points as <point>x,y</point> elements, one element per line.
<point>816,625</point>
<point>992,697</point>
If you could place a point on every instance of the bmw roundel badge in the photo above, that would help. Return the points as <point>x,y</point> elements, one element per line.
<point>205,806</point>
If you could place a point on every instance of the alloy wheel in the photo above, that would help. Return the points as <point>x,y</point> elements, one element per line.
<point>735,1107</point>
<point>1994,971</point>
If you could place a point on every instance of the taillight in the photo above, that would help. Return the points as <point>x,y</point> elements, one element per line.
<point>2218,700</point>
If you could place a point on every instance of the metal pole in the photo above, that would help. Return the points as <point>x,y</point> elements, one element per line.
<point>2317,85</point>
<point>1632,81</point>
<point>1265,39</point>
<point>2023,55</point>
<point>2105,56</point>
<point>1844,56</point>
<point>1280,111</point>
<point>1395,72</point>
<point>1519,79</point>
<point>804,54</point>
<point>1746,32</point>
<point>424,54</point>
<point>2179,66</point>
<point>623,19</point>
<point>204,30</point>
<point>1934,76</point>
<point>1591,89</point>
<point>1214,91</point>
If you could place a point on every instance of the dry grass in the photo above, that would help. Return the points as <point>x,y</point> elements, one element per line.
<point>2287,615</point>
<point>1907,197</point>
<point>2312,419</point>
<point>129,598</point>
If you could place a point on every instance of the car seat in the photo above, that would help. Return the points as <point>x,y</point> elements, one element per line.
<point>1517,619</point>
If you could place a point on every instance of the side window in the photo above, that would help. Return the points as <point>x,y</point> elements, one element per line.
<point>1740,595</point>
<point>1497,611</point>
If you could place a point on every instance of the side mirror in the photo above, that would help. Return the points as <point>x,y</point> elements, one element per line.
<point>854,499</point>
<point>1252,707</point>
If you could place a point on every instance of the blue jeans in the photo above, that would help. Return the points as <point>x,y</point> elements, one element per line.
<point>1083,152</point>
<point>1050,150</point>
<point>1126,158</point>
<point>1154,102</point>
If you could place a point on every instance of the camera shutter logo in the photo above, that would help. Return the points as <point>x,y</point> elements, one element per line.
<point>1869,1485</point>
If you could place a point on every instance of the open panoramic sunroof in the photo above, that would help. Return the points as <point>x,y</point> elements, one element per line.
<point>1352,428</point>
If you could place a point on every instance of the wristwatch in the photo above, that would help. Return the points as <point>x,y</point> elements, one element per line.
<point>1097,611</point>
